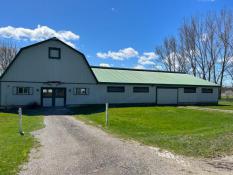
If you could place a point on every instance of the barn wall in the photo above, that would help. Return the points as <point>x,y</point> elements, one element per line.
<point>198,97</point>
<point>97,94</point>
<point>34,64</point>
<point>8,99</point>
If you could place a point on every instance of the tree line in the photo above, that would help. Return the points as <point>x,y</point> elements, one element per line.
<point>203,47</point>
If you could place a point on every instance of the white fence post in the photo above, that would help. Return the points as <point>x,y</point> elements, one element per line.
<point>106,114</point>
<point>20,122</point>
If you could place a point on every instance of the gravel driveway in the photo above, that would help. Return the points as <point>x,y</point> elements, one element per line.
<point>71,147</point>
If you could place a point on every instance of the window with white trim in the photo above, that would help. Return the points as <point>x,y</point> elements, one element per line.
<point>22,90</point>
<point>81,91</point>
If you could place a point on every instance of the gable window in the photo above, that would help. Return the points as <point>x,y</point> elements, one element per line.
<point>22,90</point>
<point>141,89</point>
<point>115,89</point>
<point>207,90</point>
<point>54,53</point>
<point>81,91</point>
<point>190,90</point>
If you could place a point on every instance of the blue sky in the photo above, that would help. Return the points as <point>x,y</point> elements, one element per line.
<point>119,33</point>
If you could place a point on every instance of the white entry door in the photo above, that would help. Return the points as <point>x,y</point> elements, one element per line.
<point>47,97</point>
<point>53,97</point>
<point>167,96</point>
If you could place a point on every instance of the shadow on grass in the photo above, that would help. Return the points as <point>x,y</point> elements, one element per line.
<point>40,111</point>
<point>78,110</point>
<point>84,110</point>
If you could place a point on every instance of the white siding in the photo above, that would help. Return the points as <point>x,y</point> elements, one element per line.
<point>9,99</point>
<point>198,97</point>
<point>97,94</point>
<point>166,96</point>
<point>33,64</point>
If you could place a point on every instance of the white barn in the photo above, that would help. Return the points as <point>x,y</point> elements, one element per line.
<point>51,73</point>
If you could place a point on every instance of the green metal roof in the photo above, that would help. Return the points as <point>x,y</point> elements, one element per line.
<point>130,76</point>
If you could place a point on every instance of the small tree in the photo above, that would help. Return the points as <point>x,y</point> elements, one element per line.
<point>8,51</point>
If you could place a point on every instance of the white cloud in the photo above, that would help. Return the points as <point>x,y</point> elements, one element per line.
<point>38,34</point>
<point>147,58</point>
<point>105,65</point>
<point>158,67</point>
<point>139,67</point>
<point>122,54</point>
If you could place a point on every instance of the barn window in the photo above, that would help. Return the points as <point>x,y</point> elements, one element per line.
<point>54,53</point>
<point>22,90</point>
<point>47,93</point>
<point>81,91</point>
<point>141,89</point>
<point>207,90</point>
<point>115,89</point>
<point>190,90</point>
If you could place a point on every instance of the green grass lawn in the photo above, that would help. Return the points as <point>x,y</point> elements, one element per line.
<point>14,149</point>
<point>183,131</point>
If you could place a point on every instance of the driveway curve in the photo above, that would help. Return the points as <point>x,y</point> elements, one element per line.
<point>71,147</point>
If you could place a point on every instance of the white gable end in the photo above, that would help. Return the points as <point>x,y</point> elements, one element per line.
<point>38,64</point>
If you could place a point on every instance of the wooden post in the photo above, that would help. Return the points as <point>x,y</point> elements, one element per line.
<point>106,114</point>
<point>20,122</point>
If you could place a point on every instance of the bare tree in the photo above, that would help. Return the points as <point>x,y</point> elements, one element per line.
<point>225,37</point>
<point>204,47</point>
<point>8,51</point>
<point>213,48</point>
<point>169,55</point>
<point>188,44</point>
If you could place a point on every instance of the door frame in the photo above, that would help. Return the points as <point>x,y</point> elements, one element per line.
<point>53,95</point>
<point>177,95</point>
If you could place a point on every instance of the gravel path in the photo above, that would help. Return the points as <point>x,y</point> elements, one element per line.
<point>74,148</point>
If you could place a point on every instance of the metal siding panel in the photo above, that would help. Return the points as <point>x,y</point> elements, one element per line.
<point>33,64</point>
<point>108,75</point>
<point>167,96</point>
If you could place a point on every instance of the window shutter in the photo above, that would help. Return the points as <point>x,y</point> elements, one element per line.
<point>14,90</point>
